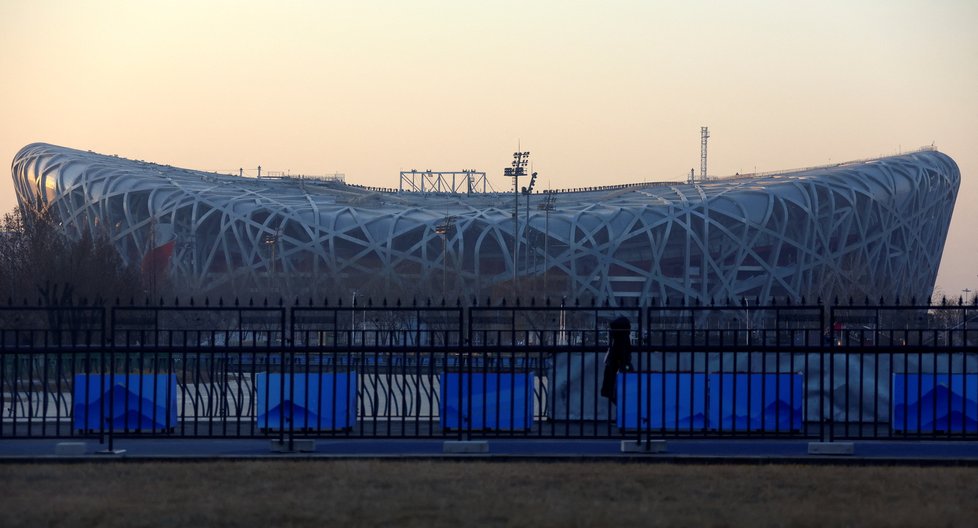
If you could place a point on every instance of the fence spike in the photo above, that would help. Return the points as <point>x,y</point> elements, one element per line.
<point>896,301</point>
<point>504,302</point>
<point>162,302</point>
<point>339,302</point>
<point>546,300</point>
<point>427,301</point>
<point>533,301</point>
<point>398,303</point>
<point>517,301</point>
<point>191,300</point>
<point>443,302</point>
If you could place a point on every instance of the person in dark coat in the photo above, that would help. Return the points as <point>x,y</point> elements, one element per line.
<point>619,356</point>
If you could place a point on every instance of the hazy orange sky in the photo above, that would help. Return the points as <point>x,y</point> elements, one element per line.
<point>599,92</point>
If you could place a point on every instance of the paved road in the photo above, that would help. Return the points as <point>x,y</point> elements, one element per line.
<point>690,451</point>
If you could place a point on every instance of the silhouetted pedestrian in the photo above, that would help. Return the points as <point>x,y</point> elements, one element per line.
<point>619,356</point>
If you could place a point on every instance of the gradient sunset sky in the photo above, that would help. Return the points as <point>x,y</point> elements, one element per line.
<point>598,92</point>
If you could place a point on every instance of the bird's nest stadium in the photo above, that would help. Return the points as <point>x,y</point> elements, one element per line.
<point>870,228</point>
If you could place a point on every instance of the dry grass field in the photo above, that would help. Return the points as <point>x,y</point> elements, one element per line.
<point>474,493</point>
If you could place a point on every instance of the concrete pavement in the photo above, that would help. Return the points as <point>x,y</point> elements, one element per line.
<point>677,450</point>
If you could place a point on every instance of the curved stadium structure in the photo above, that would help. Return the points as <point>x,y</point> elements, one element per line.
<point>874,228</point>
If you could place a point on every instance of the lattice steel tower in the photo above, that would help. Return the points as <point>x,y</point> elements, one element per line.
<point>704,135</point>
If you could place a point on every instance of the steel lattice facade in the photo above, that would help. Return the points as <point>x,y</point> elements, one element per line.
<point>874,228</point>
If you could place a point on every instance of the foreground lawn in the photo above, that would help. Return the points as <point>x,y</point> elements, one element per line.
<point>396,493</point>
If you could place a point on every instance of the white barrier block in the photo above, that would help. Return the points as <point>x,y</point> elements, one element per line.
<point>831,448</point>
<point>465,446</point>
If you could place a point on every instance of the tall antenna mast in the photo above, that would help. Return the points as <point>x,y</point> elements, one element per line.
<point>704,135</point>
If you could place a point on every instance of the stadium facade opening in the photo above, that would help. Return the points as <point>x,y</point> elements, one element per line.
<point>873,228</point>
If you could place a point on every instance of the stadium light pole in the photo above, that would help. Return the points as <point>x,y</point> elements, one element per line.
<point>518,168</point>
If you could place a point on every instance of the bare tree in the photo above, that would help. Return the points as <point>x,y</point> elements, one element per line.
<point>37,261</point>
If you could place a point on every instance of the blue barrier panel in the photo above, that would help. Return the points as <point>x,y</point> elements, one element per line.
<point>756,402</point>
<point>499,401</point>
<point>320,401</point>
<point>685,401</point>
<point>139,402</point>
<point>927,403</point>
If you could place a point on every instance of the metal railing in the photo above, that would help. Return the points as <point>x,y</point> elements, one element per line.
<point>529,371</point>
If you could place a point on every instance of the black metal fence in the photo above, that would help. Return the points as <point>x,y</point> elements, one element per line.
<point>739,370</point>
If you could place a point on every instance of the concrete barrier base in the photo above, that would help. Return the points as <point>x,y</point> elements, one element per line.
<point>465,446</point>
<point>70,448</point>
<point>300,445</point>
<point>831,448</point>
<point>648,446</point>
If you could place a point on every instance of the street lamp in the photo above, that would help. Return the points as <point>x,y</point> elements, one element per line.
<point>271,240</point>
<point>527,191</point>
<point>548,205</point>
<point>444,229</point>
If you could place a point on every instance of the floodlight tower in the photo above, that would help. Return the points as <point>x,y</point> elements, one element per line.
<point>520,161</point>
<point>704,136</point>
